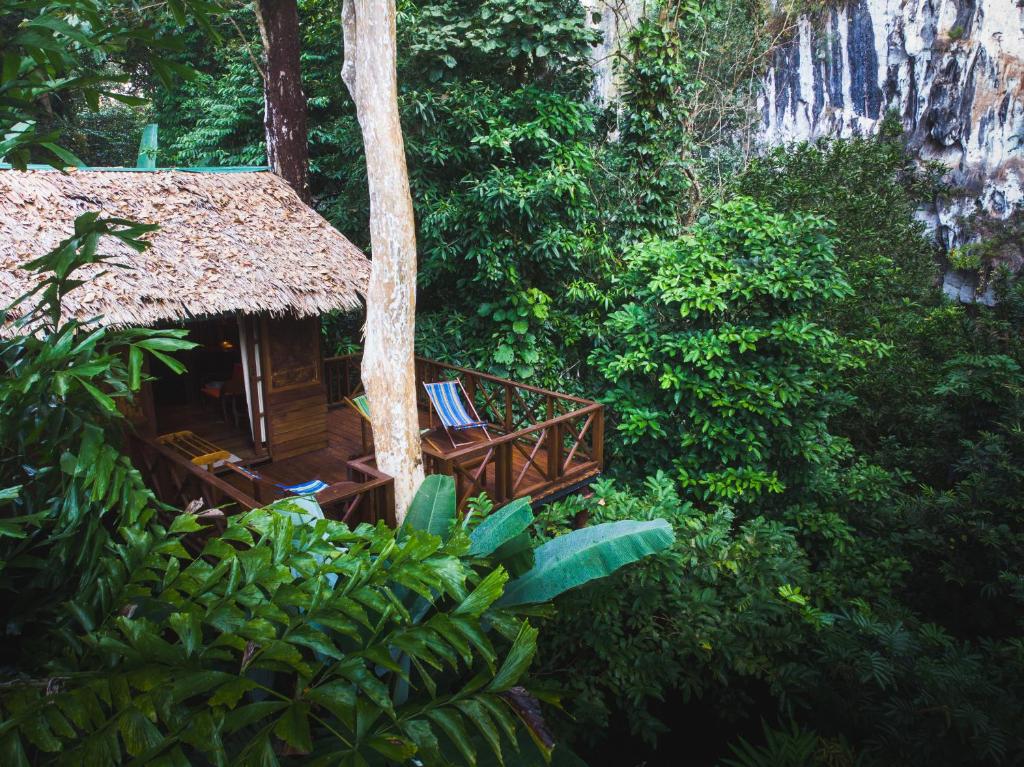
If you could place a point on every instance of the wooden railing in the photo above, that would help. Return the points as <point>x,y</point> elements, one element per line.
<point>178,482</point>
<point>367,496</point>
<point>376,499</point>
<point>542,441</point>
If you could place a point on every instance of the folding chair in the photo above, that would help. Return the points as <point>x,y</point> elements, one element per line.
<point>361,405</point>
<point>445,399</point>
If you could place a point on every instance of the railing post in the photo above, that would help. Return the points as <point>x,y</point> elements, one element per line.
<point>502,472</point>
<point>598,438</point>
<point>508,408</point>
<point>554,450</point>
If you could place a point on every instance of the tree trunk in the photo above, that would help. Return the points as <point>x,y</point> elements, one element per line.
<point>284,117</point>
<point>388,370</point>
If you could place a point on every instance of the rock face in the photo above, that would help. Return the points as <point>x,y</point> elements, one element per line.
<point>953,70</point>
<point>613,19</point>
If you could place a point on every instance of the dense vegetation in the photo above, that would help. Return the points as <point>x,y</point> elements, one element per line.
<point>838,448</point>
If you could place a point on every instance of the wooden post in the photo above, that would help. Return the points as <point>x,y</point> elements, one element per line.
<point>503,472</point>
<point>598,438</point>
<point>554,451</point>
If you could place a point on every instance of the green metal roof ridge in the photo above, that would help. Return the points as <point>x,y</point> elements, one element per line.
<point>115,169</point>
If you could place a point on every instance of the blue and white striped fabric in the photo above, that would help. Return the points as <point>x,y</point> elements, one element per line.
<point>445,398</point>
<point>306,488</point>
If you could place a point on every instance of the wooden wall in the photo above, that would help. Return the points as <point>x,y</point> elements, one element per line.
<point>296,397</point>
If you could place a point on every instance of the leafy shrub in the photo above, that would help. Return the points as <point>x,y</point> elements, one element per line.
<point>64,481</point>
<point>871,189</point>
<point>720,605</point>
<point>911,693</point>
<point>717,360</point>
<point>789,746</point>
<point>284,632</point>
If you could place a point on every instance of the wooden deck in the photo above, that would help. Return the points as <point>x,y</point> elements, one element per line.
<point>542,444</point>
<point>539,444</point>
<point>331,465</point>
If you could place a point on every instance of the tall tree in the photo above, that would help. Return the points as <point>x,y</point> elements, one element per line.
<point>284,117</point>
<point>388,371</point>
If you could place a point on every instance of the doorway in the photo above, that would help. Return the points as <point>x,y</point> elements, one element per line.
<point>211,398</point>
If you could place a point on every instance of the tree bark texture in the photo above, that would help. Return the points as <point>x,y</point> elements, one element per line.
<point>388,370</point>
<point>284,117</point>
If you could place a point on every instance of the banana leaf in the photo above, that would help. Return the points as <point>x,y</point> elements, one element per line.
<point>583,555</point>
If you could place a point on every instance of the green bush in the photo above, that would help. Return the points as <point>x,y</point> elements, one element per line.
<point>723,605</point>
<point>65,483</point>
<point>717,360</point>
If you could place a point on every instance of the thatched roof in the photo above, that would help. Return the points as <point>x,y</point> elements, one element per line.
<point>228,241</point>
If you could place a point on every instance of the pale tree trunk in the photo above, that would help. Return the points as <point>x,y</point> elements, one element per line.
<point>284,117</point>
<point>388,370</point>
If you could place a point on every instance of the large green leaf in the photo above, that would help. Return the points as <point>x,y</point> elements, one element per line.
<point>500,527</point>
<point>583,555</point>
<point>520,656</point>
<point>516,555</point>
<point>433,508</point>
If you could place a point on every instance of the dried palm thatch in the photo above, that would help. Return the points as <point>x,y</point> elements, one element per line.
<point>227,242</point>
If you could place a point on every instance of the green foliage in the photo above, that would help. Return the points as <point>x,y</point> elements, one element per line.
<point>911,693</point>
<point>718,361</point>
<point>282,637</point>
<point>874,190</point>
<point>711,607</point>
<point>870,190</point>
<point>61,382</point>
<point>292,635</point>
<point>502,148</point>
<point>580,556</point>
<point>568,561</point>
<point>686,74</point>
<point>788,747</point>
<point>56,53</point>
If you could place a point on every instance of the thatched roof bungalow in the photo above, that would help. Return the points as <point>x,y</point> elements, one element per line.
<point>228,241</point>
<point>247,269</point>
<point>238,259</point>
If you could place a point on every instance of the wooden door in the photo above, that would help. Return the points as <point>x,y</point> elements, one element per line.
<point>249,333</point>
<point>296,398</point>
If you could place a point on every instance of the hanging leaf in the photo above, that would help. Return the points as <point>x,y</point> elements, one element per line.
<point>516,555</point>
<point>519,657</point>
<point>583,555</point>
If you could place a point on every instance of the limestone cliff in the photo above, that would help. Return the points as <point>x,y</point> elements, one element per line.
<point>953,71</point>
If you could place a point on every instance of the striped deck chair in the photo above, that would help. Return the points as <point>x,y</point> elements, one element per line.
<point>312,487</point>
<point>449,404</point>
<point>362,406</point>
